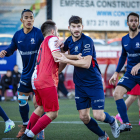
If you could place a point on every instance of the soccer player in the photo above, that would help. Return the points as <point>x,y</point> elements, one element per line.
<point>133,94</point>
<point>131,51</point>
<point>27,41</point>
<point>44,82</point>
<point>9,125</point>
<point>88,81</point>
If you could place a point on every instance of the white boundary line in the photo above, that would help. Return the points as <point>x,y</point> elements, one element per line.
<point>74,122</point>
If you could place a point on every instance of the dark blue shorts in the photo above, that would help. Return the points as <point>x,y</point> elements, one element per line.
<point>92,96</point>
<point>129,81</point>
<point>25,86</point>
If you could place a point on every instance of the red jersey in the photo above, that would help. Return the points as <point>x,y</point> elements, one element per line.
<point>46,70</point>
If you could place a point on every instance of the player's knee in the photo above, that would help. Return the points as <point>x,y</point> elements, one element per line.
<point>98,116</point>
<point>22,99</point>
<point>85,118</point>
<point>117,95</point>
<point>52,115</point>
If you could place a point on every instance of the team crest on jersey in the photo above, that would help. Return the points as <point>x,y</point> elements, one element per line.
<point>76,49</point>
<point>32,41</point>
<point>137,45</point>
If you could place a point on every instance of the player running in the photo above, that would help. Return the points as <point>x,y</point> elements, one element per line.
<point>131,51</point>
<point>27,41</point>
<point>88,82</point>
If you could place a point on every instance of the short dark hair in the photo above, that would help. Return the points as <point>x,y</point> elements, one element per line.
<point>47,26</point>
<point>25,10</point>
<point>75,19</point>
<point>139,27</point>
<point>132,14</point>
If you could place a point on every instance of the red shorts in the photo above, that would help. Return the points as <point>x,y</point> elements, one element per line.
<point>47,98</point>
<point>135,90</point>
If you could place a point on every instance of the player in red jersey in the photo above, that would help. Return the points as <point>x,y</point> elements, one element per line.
<point>45,81</point>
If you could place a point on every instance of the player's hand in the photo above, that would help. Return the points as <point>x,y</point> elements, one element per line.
<point>113,79</point>
<point>79,56</point>
<point>3,53</point>
<point>61,59</point>
<point>135,69</point>
<point>59,43</point>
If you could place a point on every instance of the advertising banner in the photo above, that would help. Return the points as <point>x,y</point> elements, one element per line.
<point>98,15</point>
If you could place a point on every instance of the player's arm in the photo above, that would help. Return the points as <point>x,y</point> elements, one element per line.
<point>119,66</point>
<point>64,48</point>
<point>83,63</point>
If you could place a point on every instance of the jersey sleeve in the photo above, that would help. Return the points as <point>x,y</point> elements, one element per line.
<point>122,59</point>
<point>12,47</point>
<point>88,47</point>
<point>52,46</point>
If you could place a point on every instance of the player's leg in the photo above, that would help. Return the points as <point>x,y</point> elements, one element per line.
<point>24,111</point>
<point>97,103</point>
<point>9,125</point>
<point>139,107</point>
<point>83,104</point>
<point>40,135</point>
<point>91,124</point>
<point>121,107</point>
<point>100,115</point>
<point>128,103</point>
<point>49,99</point>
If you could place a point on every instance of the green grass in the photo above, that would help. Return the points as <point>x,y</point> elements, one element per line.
<point>71,131</point>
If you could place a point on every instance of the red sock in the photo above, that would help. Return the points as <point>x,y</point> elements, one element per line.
<point>33,119</point>
<point>41,124</point>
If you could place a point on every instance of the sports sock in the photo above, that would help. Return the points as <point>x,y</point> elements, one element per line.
<point>24,112</point>
<point>108,118</point>
<point>121,107</point>
<point>33,119</point>
<point>94,127</point>
<point>3,114</point>
<point>41,124</point>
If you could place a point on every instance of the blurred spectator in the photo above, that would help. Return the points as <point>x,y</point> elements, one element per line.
<point>6,83</point>
<point>62,88</point>
<point>15,81</point>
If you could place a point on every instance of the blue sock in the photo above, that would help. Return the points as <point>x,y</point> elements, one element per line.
<point>93,126</point>
<point>121,107</point>
<point>108,118</point>
<point>3,114</point>
<point>24,112</point>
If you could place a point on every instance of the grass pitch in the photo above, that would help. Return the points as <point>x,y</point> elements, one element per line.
<point>68,125</point>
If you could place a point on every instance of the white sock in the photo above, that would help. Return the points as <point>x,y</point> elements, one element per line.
<point>30,134</point>
<point>26,131</point>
